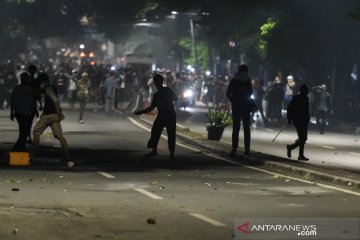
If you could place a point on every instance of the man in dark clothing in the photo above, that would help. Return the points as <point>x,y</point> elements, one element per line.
<point>298,113</point>
<point>51,116</point>
<point>275,96</point>
<point>34,84</point>
<point>23,108</point>
<point>323,107</point>
<point>163,101</point>
<point>258,99</point>
<point>239,93</point>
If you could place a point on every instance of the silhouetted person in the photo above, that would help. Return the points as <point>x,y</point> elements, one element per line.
<point>163,101</point>
<point>83,94</point>
<point>298,113</point>
<point>275,97</point>
<point>23,108</point>
<point>73,89</point>
<point>239,93</point>
<point>323,107</point>
<point>35,85</point>
<point>51,117</point>
<point>258,99</point>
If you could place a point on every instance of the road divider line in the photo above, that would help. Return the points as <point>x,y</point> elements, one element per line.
<point>259,169</point>
<point>354,153</point>
<point>162,135</point>
<point>138,124</point>
<point>328,147</point>
<point>147,193</point>
<point>181,126</point>
<point>136,103</point>
<point>269,130</point>
<point>207,220</point>
<point>106,175</point>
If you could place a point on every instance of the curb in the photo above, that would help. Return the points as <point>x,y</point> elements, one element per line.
<point>272,162</point>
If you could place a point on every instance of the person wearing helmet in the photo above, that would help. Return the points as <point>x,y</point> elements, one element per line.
<point>83,94</point>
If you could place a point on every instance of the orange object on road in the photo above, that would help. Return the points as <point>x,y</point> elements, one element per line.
<point>19,158</point>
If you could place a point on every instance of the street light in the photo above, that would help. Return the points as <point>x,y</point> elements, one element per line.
<point>192,32</point>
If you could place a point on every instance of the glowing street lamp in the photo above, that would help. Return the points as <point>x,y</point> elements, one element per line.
<point>82,46</point>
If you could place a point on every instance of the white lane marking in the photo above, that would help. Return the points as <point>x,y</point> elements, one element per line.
<point>354,153</point>
<point>181,126</point>
<point>269,130</point>
<point>138,124</point>
<point>165,137</point>
<point>207,219</point>
<point>136,103</point>
<point>259,169</point>
<point>149,194</point>
<point>106,175</point>
<point>328,147</point>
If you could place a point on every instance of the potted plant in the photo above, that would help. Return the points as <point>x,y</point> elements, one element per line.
<point>217,121</point>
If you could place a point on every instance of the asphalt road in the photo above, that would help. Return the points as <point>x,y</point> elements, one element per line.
<point>113,193</point>
<point>338,150</point>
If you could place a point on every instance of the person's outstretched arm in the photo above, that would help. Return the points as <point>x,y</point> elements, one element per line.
<point>146,110</point>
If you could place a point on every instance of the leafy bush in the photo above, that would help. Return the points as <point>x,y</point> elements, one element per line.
<point>218,118</point>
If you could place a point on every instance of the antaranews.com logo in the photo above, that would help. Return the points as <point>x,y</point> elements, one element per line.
<point>298,229</point>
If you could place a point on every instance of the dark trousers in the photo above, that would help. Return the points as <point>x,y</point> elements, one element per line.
<point>302,132</point>
<point>157,128</point>
<point>261,111</point>
<point>25,123</point>
<point>239,116</point>
<point>321,120</point>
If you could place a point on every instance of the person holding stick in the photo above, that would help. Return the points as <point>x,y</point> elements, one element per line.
<point>298,113</point>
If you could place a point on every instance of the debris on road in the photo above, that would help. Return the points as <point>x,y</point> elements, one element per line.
<point>307,191</point>
<point>153,183</point>
<point>15,231</point>
<point>15,189</point>
<point>151,221</point>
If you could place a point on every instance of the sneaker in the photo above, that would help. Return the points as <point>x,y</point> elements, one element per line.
<point>233,153</point>
<point>303,158</point>
<point>70,164</point>
<point>247,152</point>
<point>81,122</point>
<point>288,148</point>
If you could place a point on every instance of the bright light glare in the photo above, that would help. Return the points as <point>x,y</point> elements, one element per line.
<point>192,70</point>
<point>82,46</point>
<point>174,13</point>
<point>252,96</point>
<point>188,67</point>
<point>113,68</point>
<point>207,73</point>
<point>188,93</point>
